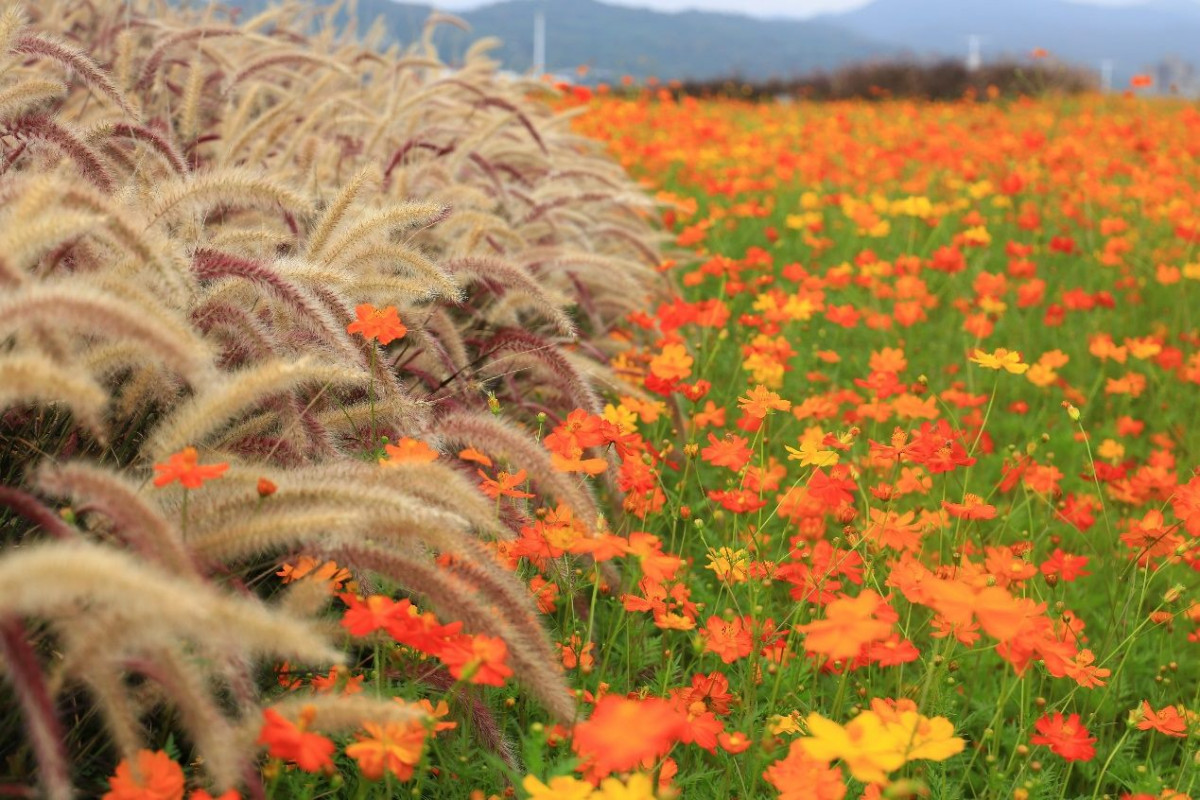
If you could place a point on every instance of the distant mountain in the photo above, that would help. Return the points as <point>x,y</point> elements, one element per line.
<point>1134,37</point>
<point>616,40</point>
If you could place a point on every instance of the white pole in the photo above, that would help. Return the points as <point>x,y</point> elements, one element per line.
<point>539,42</point>
<point>1106,71</point>
<point>974,55</point>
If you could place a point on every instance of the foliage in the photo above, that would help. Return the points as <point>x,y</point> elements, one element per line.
<point>883,79</point>
<point>192,211</point>
<point>334,378</point>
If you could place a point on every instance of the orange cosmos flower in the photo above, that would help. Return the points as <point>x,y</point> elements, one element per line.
<point>290,741</point>
<point>329,683</point>
<point>729,639</point>
<point>579,430</point>
<point>761,401</point>
<point>710,416</point>
<point>735,742</point>
<point>849,624</point>
<point>184,467</point>
<point>894,530</point>
<point>588,466</point>
<point>576,654</point>
<point>566,443</point>
<point>394,747</point>
<point>1003,616</point>
<point>383,325</point>
<point>673,364</point>
<point>1141,81</point>
<point>972,507</point>
<point>1083,671</point>
<point>435,713</point>
<point>605,742</point>
<point>503,485</point>
<point>408,451</point>
<point>156,777</point>
<point>307,566</point>
<point>799,776</point>
<point>471,454</point>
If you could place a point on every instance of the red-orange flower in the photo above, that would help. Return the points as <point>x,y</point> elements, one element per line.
<point>184,467</point>
<point>1065,736</point>
<point>605,742</point>
<point>1064,566</point>
<point>291,742</point>
<point>730,452</point>
<point>729,639</point>
<point>155,777</point>
<point>477,659</point>
<point>1168,721</point>
<point>972,507</point>
<point>365,617</point>
<point>383,325</point>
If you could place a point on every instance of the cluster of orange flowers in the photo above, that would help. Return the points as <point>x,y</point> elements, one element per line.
<point>476,659</point>
<point>847,462</point>
<point>908,224</point>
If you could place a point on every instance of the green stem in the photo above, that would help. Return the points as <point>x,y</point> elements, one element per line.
<point>371,398</point>
<point>1108,762</point>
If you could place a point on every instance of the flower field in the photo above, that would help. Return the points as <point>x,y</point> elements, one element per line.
<point>933,456</point>
<point>370,429</point>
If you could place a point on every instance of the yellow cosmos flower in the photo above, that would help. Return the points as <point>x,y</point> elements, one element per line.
<point>1002,358</point>
<point>779,724</point>
<point>862,745</point>
<point>638,787</point>
<point>729,565</point>
<point>624,418</point>
<point>916,736</point>
<point>810,455</point>
<point>978,236</point>
<point>562,787</point>
<point>881,740</point>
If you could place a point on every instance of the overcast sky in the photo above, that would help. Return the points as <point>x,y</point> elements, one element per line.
<point>758,8</point>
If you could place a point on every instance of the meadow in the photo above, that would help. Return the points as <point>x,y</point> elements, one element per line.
<point>371,429</point>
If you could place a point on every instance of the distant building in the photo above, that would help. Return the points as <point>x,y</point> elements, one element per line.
<point>1173,75</point>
